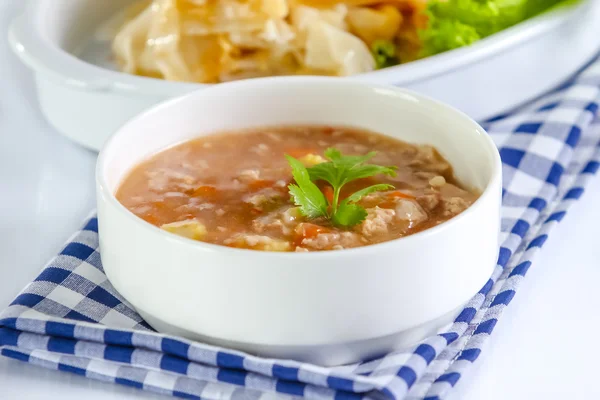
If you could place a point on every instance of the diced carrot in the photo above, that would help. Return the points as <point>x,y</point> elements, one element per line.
<point>309,231</point>
<point>401,195</point>
<point>300,152</point>
<point>260,184</point>
<point>159,205</point>
<point>151,219</point>
<point>205,191</point>
<point>396,194</point>
<point>387,204</point>
<point>328,192</point>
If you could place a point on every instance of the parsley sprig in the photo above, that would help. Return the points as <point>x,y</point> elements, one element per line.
<point>338,171</point>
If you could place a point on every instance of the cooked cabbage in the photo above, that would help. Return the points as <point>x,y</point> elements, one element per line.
<point>210,41</point>
<point>335,51</point>
<point>213,41</point>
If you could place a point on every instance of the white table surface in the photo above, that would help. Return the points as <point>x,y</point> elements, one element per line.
<point>543,347</point>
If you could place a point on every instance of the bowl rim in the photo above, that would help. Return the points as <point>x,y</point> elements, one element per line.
<point>491,188</point>
<point>42,55</point>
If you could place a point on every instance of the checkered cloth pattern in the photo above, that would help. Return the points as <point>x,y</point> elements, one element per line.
<point>71,318</point>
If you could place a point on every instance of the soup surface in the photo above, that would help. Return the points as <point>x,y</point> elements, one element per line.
<point>233,190</point>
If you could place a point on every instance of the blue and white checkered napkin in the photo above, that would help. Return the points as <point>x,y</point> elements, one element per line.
<point>70,318</point>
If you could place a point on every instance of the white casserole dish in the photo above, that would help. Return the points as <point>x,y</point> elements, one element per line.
<point>329,307</point>
<point>87,103</point>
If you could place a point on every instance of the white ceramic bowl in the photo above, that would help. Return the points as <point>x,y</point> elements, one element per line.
<point>326,307</point>
<point>86,100</point>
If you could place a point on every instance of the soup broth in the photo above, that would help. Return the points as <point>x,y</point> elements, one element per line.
<point>231,189</point>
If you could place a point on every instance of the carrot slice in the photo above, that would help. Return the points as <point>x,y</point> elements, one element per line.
<point>387,204</point>
<point>308,231</point>
<point>328,192</point>
<point>205,191</point>
<point>300,152</point>
<point>260,184</point>
<point>401,195</point>
<point>159,205</point>
<point>151,219</point>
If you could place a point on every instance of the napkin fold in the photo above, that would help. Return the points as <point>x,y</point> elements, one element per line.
<point>71,318</point>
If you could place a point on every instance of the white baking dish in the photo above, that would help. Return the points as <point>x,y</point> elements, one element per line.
<point>87,102</point>
<point>330,307</point>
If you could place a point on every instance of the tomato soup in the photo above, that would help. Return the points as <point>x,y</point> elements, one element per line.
<point>233,189</point>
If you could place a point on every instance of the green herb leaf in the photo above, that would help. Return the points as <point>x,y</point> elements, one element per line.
<point>343,169</point>
<point>326,171</point>
<point>349,214</point>
<point>306,194</point>
<point>333,154</point>
<point>384,53</point>
<point>356,196</point>
<point>368,170</point>
<point>337,158</point>
<point>338,171</point>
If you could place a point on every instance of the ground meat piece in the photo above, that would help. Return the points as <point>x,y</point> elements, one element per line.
<point>410,211</point>
<point>284,219</point>
<point>381,199</point>
<point>256,199</point>
<point>329,241</point>
<point>426,154</point>
<point>260,225</point>
<point>260,149</point>
<point>257,242</point>
<point>453,206</point>
<point>427,159</point>
<point>193,206</point>
<point>377,221</point>
<point>249,175</point>
<point>439,167</point>
<point>162,179</point>
<point>360,148</point>
<point>262,197</point>
<point>424,174</point>
<point>141,210</point>
<point>179,176</point>
<point>429,201</point>
<point>437,181</point>
<point>376,197</point>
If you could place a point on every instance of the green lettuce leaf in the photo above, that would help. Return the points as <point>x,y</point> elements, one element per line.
<point>457,23</point>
